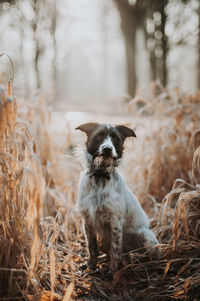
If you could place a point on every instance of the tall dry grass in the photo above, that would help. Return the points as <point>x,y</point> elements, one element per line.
<point>38,190</point>
<point>43,253</point>
<point>165,148</point>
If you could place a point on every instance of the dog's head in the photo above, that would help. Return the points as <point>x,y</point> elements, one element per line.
<point>105,142</point>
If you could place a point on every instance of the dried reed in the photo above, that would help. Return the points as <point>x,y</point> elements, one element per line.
<point>43,254</point>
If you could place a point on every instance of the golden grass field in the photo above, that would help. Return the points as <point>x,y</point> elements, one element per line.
<point>43,254</point>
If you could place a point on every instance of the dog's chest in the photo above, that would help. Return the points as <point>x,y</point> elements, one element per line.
<point>102,201</point>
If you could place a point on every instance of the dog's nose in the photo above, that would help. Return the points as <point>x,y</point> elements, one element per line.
<point>107,150</point>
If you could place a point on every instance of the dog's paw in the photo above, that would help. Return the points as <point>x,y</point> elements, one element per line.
<point>116,268</point>
<point>154,252</point>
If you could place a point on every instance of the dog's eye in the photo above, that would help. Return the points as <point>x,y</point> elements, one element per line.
<point>113,136</point>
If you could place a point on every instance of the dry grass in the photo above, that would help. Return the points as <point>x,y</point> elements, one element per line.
<point>33,186</point>
<point>165,147</point>
<point>43,252</point>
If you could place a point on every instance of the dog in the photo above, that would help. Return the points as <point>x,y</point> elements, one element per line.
<point>111,212</point>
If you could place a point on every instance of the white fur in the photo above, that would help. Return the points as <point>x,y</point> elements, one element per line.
<point>119,200</point>
<point>111,212</point>
<point>115,205</point>
<point>108,143</point>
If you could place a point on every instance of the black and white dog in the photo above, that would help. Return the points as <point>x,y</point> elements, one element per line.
<point>111,212</point>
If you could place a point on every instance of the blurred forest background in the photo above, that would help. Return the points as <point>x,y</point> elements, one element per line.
<point>89,50</point>
<point>77,61</point>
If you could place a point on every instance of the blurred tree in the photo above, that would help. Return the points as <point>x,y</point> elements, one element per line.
<point>53,27</point>
<point>44,24</point>
<point>105,39</point>
<point>8,1</point>
<point>164,40</point>
<point>151,16</point>
<point>149,29</point>
<point>157,40</point>
<point>132,13</point>
<point>198,49</point>
<point>35,23</point>
<point>39,19</point>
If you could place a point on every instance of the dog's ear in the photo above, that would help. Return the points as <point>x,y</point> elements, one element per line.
<point>125,131</point>
<point>88,128</point>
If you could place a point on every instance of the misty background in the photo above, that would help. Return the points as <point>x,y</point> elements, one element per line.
<point>84,52</point>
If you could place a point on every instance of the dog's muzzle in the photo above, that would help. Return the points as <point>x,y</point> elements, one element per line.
<point>107,151</point>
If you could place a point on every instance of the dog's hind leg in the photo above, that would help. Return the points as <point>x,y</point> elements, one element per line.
<point>150,241</point>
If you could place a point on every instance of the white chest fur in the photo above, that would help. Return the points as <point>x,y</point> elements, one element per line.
<point>100,201</point>
<point>100,198</point>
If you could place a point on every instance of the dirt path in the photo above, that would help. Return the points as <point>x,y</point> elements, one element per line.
<point>104,107</point>
<point>63,123</point>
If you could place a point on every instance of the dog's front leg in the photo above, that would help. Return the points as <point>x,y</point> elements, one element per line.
<point>92,244</point>
<point>116,244</point>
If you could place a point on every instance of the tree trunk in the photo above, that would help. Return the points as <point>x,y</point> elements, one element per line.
<point>164,45</point>
<point>198,47</point>
<point>37,45</point>
<point>53,30</point>
<point>152,57</point>
<point>132,16</point>
<point>36,64</point>
<point>104,13</point>
<point>128,25</point>
<point>153,73</point>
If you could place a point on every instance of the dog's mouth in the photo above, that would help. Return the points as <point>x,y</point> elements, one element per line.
<point>106,156</point>
<point>105,161</point>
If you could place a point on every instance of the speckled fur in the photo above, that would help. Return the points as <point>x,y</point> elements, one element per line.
<point>112,213</point>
